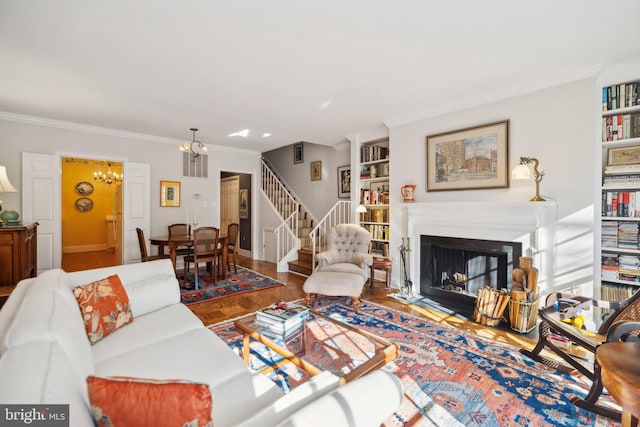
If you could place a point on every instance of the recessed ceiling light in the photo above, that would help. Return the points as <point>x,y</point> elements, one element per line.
<point>266,135</point>
<point>243,133</point>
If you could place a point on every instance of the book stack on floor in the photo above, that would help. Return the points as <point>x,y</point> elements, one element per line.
<point>283,318</point>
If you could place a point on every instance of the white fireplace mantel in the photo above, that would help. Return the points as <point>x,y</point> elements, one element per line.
<point>531,223</point>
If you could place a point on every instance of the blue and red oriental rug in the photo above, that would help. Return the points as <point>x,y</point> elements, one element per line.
<point>451,377</point>
<point>243,281</point>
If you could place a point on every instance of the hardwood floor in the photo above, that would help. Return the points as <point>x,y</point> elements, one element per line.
<point>211,312</point>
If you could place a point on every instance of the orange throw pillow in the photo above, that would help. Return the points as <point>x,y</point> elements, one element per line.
<point>123,402</point>
<point>104,305</point>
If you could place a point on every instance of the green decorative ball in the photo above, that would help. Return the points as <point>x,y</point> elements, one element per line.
<point>9,216</point>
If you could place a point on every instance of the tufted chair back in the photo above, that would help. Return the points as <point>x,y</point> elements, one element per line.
<point>347,250</point>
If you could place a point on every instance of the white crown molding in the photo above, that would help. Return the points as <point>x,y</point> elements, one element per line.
<point>505,93</point>
<point>78,127</point>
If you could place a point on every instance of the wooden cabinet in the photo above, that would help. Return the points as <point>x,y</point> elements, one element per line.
<point>18,252</point>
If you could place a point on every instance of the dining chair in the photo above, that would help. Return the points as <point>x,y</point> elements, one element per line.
<point>181,230</point>
<point>232,245</point>
<point>144,255</point>
<point>205,249</point>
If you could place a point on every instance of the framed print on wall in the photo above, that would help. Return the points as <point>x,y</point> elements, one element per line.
<point>298,153</point>
<point>316,171</point>
<point>170,193</point>
<point>469,159</point>
<point>244,204</point>
<point>344,181</point>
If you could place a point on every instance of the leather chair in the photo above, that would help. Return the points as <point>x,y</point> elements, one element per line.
<point>144,255</point>
<point>205,249</point>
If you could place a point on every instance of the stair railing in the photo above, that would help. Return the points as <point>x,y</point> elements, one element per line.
<point>340,213</point>
<point>287,207</point>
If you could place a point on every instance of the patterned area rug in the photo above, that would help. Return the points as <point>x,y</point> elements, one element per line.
<point>450,377</point>
<point>244,281</point>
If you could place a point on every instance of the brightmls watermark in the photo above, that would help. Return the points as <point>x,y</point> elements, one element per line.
<point>34,415</point>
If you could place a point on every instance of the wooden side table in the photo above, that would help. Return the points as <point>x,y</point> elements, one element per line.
<point>621,376</point>
<point>380,264</point>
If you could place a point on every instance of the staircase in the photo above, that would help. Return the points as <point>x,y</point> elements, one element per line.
<point>293,233</point>
<point>298,237</point>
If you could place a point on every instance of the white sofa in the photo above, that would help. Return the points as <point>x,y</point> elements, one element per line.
<point>45,356</point>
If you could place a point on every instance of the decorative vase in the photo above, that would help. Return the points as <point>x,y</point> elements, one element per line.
<point>10,216</point>
<point>407,192</point>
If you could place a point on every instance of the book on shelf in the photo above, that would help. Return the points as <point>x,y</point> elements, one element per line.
<point>619,96</point>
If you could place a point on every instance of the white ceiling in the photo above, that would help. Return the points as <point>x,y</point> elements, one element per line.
<point>301,70</point>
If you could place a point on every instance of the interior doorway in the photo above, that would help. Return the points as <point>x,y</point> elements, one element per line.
<point>91,213</point>
<point>235,206</point>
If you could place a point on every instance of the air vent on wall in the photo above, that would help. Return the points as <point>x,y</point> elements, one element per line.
<point>195,166</point>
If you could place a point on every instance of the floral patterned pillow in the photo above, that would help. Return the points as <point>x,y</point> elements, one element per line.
<point>104,305</point>
<point>124,401</point>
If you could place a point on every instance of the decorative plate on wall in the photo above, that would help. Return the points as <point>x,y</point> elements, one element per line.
<point>84,188</point>
<point>84,204</point>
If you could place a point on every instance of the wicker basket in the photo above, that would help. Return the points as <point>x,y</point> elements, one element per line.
<point>490,305</point>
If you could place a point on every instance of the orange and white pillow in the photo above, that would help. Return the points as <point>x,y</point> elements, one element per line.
<point>104,305</point>
<point>125,401</point>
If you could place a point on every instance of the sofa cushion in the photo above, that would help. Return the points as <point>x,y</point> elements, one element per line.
<point>104,305</point>
<point>41,373</point>
<point>156,326</point>
<point>46,315</point>
<point>12,305</point>
<point>198,355</point>
<point>152,294</point>
<point>134,402</point>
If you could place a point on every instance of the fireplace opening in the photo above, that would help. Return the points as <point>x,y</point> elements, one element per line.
<point>452,269</point>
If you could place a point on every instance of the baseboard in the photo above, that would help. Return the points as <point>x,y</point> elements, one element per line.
<point>85,248</point>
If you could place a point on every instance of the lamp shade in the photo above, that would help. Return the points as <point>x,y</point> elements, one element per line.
<point>361,209</point>
<point>5,184</point>
<point>521,172</point>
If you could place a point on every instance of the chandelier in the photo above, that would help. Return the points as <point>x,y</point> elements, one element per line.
<point>109,177</point>
<point>195,147</point>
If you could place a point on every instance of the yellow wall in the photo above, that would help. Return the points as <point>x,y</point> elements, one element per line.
<point>86,231</point>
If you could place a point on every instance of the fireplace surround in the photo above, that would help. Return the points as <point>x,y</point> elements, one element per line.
<point>454,269</point>
<point>532,225</point>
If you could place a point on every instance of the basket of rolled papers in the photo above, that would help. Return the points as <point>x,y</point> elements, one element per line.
<point>490,305</point>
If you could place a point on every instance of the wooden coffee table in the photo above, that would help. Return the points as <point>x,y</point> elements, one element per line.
<point>322,344</point>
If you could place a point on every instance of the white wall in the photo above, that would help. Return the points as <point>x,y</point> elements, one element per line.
<point>164,158</point>
<point>554,125</point>
<point>318,196</point>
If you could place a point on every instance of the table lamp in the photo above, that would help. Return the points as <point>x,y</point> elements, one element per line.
<point>6,187</point>
<point>522,171</point>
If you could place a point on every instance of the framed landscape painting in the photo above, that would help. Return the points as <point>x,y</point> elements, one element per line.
<point>468,159</point>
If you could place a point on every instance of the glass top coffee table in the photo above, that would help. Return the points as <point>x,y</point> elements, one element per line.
<point>322,344</point>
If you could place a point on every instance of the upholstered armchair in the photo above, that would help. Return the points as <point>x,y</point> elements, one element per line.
<point>347,251</point>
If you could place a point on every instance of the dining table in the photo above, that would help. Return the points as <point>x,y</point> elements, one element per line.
<point>175,241</point>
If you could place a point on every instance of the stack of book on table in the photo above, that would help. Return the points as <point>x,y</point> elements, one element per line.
<point>282,318</point>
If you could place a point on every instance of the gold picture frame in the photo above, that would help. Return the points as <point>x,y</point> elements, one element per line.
<point>170,194</point>
<point>316,171</point>
<point>469,159</point>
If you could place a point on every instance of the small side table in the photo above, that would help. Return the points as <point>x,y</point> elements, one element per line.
<point>380,264</point>
<point>621,376</point>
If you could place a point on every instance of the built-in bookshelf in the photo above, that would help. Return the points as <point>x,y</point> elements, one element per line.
<point>620,191</point>
<point>374,194</point>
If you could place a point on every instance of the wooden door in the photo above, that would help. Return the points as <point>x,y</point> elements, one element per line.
<point>41,201</point>
<point>229,202</point>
